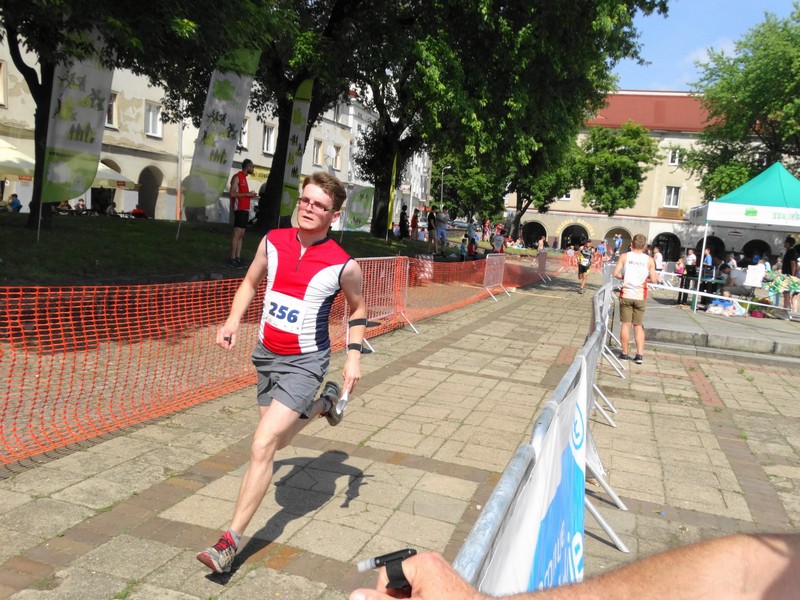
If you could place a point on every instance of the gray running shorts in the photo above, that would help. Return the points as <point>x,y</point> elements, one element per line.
<point>292,379</point>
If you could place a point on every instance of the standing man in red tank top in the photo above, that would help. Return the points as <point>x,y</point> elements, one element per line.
<point>240,206</point>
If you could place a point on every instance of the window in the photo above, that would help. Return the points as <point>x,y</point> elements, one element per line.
<point>269,140</point>
<point>674,157</point>
<point>2,83</point>
<point>337,157</point>
<point>672,197</point>
<point>317,156</point>
<point>111,111</point>
<point>152,120</point>
<point>243,134</point>
<point>566,197</point>
<point>337,112</point>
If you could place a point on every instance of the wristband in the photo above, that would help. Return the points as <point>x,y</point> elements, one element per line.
<point>358,347</point>
<point>357,322</point>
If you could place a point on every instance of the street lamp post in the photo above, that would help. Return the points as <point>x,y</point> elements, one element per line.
<point>441,187</point>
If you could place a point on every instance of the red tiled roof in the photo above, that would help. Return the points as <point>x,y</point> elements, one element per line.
<point>657,111</point>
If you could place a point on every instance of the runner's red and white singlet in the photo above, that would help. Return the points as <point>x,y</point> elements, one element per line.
<point>300,293</point>
<point>241,202</point>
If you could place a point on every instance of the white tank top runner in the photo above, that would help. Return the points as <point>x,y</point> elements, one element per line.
<point>637,270</point>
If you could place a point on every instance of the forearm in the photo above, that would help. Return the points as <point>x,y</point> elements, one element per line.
<point>741,567</point>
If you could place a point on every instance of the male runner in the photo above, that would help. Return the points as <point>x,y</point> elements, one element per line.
<point>305,270</point>
<point>584,263</point>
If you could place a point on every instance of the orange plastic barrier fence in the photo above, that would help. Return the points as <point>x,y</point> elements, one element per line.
<point>569,263</point>
<point>79,362</point>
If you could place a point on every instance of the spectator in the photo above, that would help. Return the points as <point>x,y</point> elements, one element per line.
<point>14,203</point>
<point>658,259</point>
<point>472,248</point>
<point>788,267</point>
<point>138,213</point>
<point>241,197</point>
<point>463,249</point>
<point>732,261</point>
<point>415,222</point>
<point>111,211</point>
<point>680,266</point>
<point>433,241</point>
<point>80,208</point>
<point>540,245</point>
<point>635,268</point>
<point>485,232</point>
<point>498,241</point>
<point>617,244</point>
<point>65,207</point>
<point>734,282</point>
<point>403,226</point>
<point>442,219</point>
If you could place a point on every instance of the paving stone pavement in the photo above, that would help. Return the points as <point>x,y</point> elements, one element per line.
<point>704,446</point>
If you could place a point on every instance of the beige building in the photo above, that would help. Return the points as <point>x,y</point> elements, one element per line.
<point>674,119</point>
<point>155,156</point>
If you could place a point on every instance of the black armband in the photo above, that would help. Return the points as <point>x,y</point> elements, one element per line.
<point>357,322</point>
<point>359,347</point>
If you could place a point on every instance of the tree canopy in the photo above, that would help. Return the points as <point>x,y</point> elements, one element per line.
<point>753,110</point>
<point>614,164</point>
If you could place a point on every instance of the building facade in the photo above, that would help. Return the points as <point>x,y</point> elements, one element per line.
<point>674,120</point>
<point>156,156</point>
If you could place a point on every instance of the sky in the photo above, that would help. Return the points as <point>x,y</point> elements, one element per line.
<point>673,44</point>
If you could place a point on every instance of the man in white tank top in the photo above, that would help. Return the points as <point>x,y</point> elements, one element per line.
<point>636,269</point>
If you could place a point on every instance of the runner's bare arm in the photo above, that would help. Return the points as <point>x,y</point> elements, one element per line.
<point>226,335</point>
<point>352,280</point>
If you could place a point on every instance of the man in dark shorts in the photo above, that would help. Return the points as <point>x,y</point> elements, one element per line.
<point>306,270</point>
<point>584,263</point>
<point>240,206</point>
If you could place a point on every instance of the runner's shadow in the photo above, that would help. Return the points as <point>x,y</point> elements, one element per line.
<point>307,487</point>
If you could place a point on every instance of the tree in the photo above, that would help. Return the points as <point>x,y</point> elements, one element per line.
<point>753,112</point>
<point>54,32</point>
<point>614,165</point>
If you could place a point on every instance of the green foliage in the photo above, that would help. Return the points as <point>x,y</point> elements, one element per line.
<point>752,99</point>
<point>614,165</point>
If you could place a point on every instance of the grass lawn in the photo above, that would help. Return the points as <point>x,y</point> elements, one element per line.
<point>88,250</point>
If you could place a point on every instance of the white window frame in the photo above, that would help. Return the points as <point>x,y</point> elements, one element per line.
<point>153,127</point>
<point>674,157</point>
<point>337,158</point>
<point>268,147</point>
<point>672,196</point>
<point>111,111</point>
<point>566,197</point>
<point>3,86</point>
<point>317,154</point>
<point>244,133</point>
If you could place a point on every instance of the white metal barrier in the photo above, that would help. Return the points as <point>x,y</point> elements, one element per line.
<point>493,274</point>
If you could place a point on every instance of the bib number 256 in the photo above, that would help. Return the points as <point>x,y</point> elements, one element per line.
<point>283,313</point>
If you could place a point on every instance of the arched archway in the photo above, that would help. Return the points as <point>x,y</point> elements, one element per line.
<point>531,232</point>
<point>758,248</point>
<point>573,235</point>
<point>149,184</point>
<point>716,245</point>
<point>670,245</point>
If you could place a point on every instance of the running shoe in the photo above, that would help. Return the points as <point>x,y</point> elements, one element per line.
<point>624,356</point>
<point>219,557</point>
<point>638,359</point>
<point>330,394</point>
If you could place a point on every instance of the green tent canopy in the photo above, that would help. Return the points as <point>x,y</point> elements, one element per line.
<point>769,200</point>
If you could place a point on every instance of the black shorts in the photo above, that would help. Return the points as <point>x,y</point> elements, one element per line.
<point>240,218</point>
<point>582,269</point>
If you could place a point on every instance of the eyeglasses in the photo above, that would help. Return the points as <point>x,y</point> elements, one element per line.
<point>315,206</point>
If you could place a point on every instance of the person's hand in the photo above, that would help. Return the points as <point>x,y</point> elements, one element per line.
<point>431,578</point>
<point>226,336</point>
<point>351,372</point>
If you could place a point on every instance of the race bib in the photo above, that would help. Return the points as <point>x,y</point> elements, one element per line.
<point>285,312</point>
<point>584,262</point>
